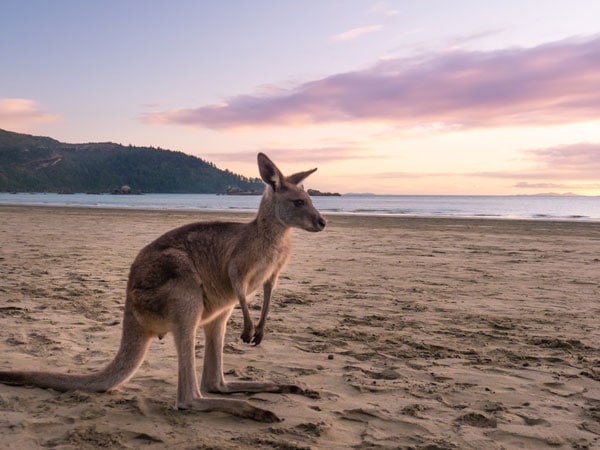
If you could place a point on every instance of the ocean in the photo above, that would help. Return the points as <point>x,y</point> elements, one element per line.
<point>509,207</point>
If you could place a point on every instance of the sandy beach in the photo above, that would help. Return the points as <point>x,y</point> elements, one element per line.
<point>418,333</point>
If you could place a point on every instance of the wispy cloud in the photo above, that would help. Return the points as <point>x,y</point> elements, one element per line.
<point>472,37</point>
<point>549,84</point>
<point>384,8</point>
<point>528,185</point>
<point>16,113</point>
<point>299,155</point>
<point>415,175</point>
<point>573,186</point>
<point>572,166</point>
<point>355,33</point>
<point>581,160</point>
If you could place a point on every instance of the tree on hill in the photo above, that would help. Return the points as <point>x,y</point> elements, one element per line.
<point>42,164</point>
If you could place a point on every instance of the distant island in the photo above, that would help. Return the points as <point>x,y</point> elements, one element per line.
<point>42,164</point>
<point>316,193</point>
<point>234,190</point>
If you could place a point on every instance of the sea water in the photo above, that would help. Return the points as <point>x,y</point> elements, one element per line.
<point>576,208</point>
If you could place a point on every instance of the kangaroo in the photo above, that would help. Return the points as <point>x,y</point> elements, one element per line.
<point>194,275</point>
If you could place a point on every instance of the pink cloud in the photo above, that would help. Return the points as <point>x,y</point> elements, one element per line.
<point>18,113</point>
<point>578,162</point>
<point>299,155</point>
<point>355,33</point>
<point>553,83</point>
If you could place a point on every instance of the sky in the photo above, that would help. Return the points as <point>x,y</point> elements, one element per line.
<point>388,97</point>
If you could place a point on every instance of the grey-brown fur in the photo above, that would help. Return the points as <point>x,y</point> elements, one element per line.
<point>194,275</point>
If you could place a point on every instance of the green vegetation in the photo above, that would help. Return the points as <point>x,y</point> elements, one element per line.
<point>41,164</point>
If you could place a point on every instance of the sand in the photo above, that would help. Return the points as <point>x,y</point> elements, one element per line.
<point>418,333</point>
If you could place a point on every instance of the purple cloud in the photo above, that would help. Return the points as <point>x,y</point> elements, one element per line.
<point>574,186</point>
<point>527,185</point>
<point>553,83</point>
<point>582,158</point>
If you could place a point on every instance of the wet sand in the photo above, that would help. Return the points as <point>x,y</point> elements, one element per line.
<point>420,333</point>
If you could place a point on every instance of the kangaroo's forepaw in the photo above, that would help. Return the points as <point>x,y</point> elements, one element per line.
<point>248,333</point>
<point>258,336</point>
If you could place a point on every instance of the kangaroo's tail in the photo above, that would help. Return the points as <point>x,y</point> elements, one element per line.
<point>133,348</point>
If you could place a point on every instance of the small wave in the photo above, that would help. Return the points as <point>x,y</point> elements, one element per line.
<point>367,210</point>
<point>487,215</point>
<point>331,209</point>
<point>382,211</point>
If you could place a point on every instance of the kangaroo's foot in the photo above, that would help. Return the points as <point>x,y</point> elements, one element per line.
<point>240,408</point>
<point>250,387</point>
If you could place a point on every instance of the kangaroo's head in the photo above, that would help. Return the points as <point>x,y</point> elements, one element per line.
<point>290,204</point>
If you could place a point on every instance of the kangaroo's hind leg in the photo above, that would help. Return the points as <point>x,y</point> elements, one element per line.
<point>188,393</point>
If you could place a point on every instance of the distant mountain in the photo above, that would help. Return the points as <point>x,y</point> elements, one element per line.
<point>42,164</point>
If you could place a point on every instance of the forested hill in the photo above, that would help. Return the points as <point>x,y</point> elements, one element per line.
<point>41,164</point>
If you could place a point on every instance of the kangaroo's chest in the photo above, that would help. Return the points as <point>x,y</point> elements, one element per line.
<point>265,267</point>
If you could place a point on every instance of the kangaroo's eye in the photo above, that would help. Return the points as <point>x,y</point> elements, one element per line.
<point>298,203</point>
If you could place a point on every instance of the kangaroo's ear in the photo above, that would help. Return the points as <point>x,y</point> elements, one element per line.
<point>269,172</point>
<point>299,177</point>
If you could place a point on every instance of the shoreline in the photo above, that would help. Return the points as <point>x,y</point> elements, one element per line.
<point>252,213</point>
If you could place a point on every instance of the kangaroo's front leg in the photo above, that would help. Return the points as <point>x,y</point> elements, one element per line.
<point>259,332</point>
<point>239,286</point>
<point>213,380</point>
<point>248,330</point>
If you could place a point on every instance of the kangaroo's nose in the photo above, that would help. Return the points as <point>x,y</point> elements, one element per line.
<point>321,223</point>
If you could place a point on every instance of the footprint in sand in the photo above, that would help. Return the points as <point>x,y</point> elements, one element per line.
<point>531,421</point>
<point>476,419</point>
